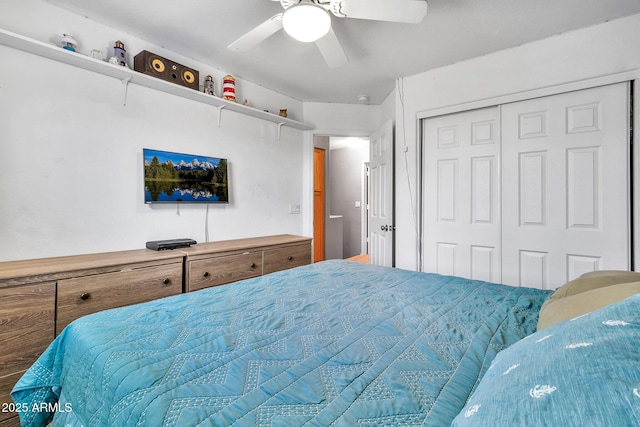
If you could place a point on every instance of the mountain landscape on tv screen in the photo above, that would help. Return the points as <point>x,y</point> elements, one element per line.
<point>194,164</point>
<point>174,177</point>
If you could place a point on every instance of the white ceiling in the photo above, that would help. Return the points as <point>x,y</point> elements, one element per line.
<point>378,52</point>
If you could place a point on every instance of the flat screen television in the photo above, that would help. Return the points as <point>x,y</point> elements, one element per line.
<point>184,178</point>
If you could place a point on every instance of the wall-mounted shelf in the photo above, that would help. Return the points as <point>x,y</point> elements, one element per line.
<point>127,76</point>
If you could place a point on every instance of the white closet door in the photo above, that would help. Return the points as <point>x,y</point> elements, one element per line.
<point>461,194</point>
<point>565,186</point>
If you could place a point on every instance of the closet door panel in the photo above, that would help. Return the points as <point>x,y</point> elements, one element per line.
<point>565,186</point>
<point>461,194</point>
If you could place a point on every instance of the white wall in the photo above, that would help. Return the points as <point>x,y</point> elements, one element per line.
<point>42,21</point>
<point>71,174</point>
<point>342,119</point>
<point>82,189</point>
<point>388,108</point>
<point>583,54</point>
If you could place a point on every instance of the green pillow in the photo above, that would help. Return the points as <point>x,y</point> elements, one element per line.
<point>595,280</point>
<point>557,310</point>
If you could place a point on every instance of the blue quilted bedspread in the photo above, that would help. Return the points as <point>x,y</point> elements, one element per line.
<point>333,343</point>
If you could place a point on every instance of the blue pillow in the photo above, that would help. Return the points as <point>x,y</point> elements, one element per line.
<point>581,372</point>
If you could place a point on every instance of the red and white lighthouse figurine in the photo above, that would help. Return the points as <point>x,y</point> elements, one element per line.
<point>229,88</point>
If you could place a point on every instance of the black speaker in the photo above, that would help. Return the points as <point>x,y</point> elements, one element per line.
<point>155,65</point>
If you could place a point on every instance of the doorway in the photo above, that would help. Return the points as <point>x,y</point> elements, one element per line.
<point>340,204</point>
<point>346,202</point>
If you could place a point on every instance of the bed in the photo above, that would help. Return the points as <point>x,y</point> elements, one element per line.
<point>332,343</point>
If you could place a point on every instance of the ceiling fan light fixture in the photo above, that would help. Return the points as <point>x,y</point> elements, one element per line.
<point>306,22</point>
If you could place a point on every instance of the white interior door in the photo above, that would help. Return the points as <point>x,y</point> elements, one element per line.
<point>381,220</point>
<point>461,194</point>
<point>565,186</point>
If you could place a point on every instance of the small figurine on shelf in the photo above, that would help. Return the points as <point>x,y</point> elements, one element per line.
<point>283,112</point>
<point>119,55</point>
<point>209,86</point>
<point>246,103</point>
<point>229,88</point>
<point>69,42</point>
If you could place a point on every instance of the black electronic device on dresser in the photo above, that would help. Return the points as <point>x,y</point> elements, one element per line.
<point>161,245</point>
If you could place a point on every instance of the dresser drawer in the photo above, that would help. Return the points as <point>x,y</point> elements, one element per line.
<point>84,295</point>
<point>204,273</point>
<point>26,329</point>
<point>286,257</point>
<point>6,385</point>
<point>26,324</point>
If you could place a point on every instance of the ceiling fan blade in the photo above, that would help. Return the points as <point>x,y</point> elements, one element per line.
<point>409,11</point>
<point>258,34</point>
<point>331,50</point>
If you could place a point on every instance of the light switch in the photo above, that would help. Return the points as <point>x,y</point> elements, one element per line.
<point>294,208</point>
<point>357,203</point>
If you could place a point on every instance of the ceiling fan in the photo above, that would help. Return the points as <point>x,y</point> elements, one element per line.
<point>310,21</point>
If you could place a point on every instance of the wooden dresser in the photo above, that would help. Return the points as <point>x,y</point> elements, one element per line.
<point>217,263</point>
<point>38,298</point>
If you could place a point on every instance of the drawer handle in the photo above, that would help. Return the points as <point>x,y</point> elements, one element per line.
<point>166,281</point>
<point>85,296</point>
<point>206,274</point>
<point>290,258</point>
<point>253,265</point>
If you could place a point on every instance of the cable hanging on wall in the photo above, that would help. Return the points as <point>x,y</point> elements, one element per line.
<point>405,149</point>
<point>206,224</point>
